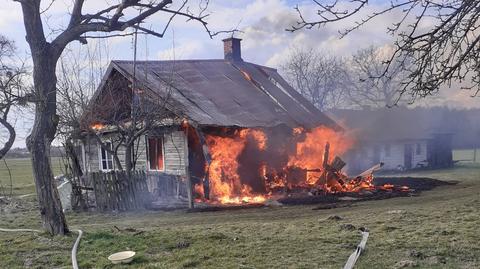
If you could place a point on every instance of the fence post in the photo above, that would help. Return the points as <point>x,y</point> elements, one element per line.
<point>118,191</point>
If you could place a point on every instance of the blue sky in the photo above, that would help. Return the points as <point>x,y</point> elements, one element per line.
<point>263,23</point>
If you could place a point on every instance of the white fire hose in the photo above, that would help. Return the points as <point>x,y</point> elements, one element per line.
<point>74,249</point>
<point>354,256</point>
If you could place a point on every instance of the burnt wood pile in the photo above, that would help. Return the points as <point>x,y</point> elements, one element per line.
<point>385,188</point>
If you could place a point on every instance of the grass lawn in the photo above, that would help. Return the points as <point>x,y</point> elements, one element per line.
<point>466,154</point>
<point>21,172</point>
<point>438,229</point>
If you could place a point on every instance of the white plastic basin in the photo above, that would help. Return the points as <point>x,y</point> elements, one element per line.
<point>122,257</point>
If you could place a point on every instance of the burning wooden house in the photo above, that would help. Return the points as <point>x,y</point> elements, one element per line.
<point>230,131</point>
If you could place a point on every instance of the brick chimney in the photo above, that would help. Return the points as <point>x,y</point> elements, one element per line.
<point>232,49</point>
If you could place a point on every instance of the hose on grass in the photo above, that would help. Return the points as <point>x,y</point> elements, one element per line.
<point>74,249</point>
<point>356,254</point>
<point>19,230</point>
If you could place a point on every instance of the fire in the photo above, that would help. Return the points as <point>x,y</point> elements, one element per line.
<point>388,186</point>
<point>309,153</point>
<point>225,183</point>
<point>252,165</point>
<point>97,126</point>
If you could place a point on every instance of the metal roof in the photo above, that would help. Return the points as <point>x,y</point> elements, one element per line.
<point>225,93</point>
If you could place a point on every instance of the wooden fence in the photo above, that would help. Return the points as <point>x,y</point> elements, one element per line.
<point>118,191</point>
<point>165,186</point>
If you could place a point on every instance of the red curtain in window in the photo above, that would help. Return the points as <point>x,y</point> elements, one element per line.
<point>155,153</point>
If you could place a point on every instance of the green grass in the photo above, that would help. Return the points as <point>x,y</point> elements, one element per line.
<point>438,229</point>
<point>466,155</point>
<point>22,177</point>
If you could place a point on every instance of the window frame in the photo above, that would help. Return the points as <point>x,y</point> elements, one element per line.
<point>100,158</point>
<point>162,138</point>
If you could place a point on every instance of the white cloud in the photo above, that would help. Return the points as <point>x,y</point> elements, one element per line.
<point>187,50</point>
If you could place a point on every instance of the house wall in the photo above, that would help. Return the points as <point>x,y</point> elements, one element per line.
<point>370,154</point>
<point>89,160</point>
<point>397,154</point>
<point>174,150</point>
<point>395,158</point>
<point>417,158</point>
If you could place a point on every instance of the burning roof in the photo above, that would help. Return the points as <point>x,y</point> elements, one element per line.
<point>225,93</point>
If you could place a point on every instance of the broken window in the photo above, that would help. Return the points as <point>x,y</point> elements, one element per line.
<point>155,153</point>
<point>106,159</point>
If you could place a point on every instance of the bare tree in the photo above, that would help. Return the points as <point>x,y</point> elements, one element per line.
<point>367,86</point>
<point>318,77</point>
<point>11,91</point>
<point>445,52</point>
<point>117,118</point>
<point>114,18</point>
<point>80,71</point>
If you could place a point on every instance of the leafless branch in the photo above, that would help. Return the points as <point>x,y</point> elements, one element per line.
<point>444,52</point>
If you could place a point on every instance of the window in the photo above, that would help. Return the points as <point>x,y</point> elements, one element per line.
<point>106,159</point>
<point>387,150</point>
<point>155,153</point>
<point>418,149</point>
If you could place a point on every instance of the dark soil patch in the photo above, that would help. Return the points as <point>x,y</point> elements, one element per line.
<point>415,183</point>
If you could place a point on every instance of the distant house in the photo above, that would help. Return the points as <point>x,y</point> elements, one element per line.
<point>210,95</point>
<point>401,138</point>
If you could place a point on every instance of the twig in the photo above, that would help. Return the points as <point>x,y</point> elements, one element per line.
<point>10,176</point>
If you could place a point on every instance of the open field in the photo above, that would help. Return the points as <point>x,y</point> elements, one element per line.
<point>438,229</point>
<point>21,172</point>
<point>466,154</point>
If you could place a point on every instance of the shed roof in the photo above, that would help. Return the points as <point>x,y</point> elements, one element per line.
<point>225,93</point>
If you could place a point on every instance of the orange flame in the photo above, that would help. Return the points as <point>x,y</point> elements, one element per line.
<point>303,167</point>
<point>225,184</point>
<point>309,154</point>
<point>97,126</point>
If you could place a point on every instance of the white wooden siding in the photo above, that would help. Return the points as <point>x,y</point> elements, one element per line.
<point>91,154</point>
<point>397,154</point>
<point>423,154</point>
<point>174,151</point>
<point>395,158</point>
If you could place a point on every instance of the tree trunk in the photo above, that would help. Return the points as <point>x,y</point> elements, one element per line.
<point>72,158</point>
<point>11,137</point>
<point>39,141</point>
<point>128,158</point>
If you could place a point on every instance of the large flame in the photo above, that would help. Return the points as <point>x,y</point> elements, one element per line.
<point>303,166</point>
<point>309,152</point>
<point>225,184</point>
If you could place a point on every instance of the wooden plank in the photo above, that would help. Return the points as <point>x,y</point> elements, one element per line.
<point>95,189</point>
<point>191,204</point>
